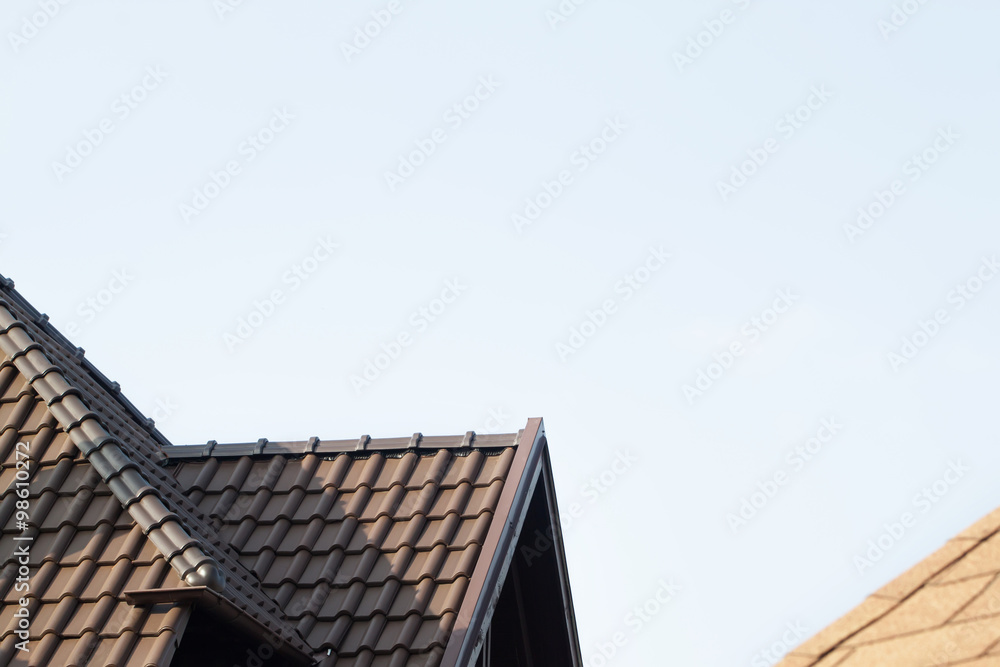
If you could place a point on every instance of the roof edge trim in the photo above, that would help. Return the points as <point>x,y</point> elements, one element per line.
<point>498,546</point>
<point>560,554</point>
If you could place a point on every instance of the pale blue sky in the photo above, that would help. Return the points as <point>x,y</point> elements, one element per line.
<point>327,128</point>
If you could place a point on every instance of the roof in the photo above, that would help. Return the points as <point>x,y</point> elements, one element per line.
<point>369,551</point>
<point>352,552</point>
<point>943,611</point>
<point>101,506</point>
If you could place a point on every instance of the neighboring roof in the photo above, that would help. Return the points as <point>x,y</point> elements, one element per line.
<point>944,611</point>
<point>380,552</point>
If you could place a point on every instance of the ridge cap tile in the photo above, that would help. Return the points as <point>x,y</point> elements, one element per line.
<point>76,412</point>
<point>100,432</point>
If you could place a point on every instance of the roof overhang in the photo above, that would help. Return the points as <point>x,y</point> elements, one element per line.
<point>219,607</point>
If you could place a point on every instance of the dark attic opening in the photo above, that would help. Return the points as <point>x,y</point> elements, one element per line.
<point>210,641</point>
<point>532,621</point>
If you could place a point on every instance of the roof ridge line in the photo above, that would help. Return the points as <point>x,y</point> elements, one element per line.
<point>42,321</point>
<point>144,502</point>
<point>319,446</point>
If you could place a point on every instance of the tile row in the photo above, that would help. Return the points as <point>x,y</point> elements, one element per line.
<point>315,473</point>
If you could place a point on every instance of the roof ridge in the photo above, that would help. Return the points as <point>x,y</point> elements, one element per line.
<point>143,501</point>
<point>363,445</point>
<point>41,320</point>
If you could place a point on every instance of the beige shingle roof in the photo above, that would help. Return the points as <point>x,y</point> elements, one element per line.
<point>943,611</point>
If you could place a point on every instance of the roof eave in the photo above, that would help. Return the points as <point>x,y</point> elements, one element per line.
<point>222,608</point>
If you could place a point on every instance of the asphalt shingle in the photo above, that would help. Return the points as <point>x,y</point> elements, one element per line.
<point>943,611</point>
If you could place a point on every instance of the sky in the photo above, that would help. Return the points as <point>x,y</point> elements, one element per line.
<point>739,255</point>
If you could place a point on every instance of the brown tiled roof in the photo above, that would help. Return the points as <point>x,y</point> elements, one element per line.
<point>363,552</point>
<point>86,550</point>
<point>368,546</point>
<point>106,455</point>
<point>100,507</point>
<point>944,611</point>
